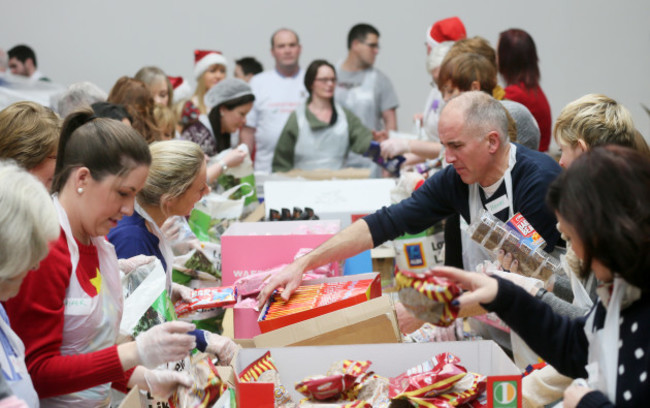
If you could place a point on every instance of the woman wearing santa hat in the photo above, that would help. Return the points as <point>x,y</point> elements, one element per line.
<point>209,70</point>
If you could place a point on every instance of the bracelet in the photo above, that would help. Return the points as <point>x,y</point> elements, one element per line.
<point>223,165</point>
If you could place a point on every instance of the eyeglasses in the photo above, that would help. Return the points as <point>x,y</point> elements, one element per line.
<point>325,80</point>
<point>374,46</point>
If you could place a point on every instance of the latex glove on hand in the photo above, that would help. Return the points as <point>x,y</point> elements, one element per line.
<point>131,264</point>
<point>181,292</point>
<point>221,346</point>
<point>394,147</point>
<point>234,158</point>
<point>171,228</point>
<point>165,343</point>
<point>163,383</point>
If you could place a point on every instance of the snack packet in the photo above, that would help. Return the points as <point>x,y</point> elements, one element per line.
<point>206,299</point>
<point>341,377</point>
<point>263,370</point>
<point>431,378</point>
<point>428,297</point>
<point>207,387</point>
<point>465,390</point>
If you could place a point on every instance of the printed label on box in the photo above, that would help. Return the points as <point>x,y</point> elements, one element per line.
<point>503,391</point>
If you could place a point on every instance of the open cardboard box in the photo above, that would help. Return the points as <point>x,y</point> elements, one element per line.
<point>369,322</point>
<point>389,360</point>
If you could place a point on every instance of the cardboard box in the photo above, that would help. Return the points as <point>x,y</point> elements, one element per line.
<point>251,247</point>
<point>372,291</point>
<point>389,360</point>
<point>333,199</point>
<point>369,322</point>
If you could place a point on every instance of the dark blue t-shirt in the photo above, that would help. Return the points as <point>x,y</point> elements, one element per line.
<point>131,237</point>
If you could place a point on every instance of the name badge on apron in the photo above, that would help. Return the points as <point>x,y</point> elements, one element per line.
<point>497,205</point>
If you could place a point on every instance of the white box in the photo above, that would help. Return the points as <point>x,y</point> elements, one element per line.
<point>331,199</point>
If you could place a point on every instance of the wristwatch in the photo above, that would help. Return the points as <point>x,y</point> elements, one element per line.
<point>224,166</point>
<point>540,293</point>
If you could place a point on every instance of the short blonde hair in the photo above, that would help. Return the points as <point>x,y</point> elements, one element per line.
<point>596,119</point>
<point>28,220</point>
<point>165,118</point>
<point>29,133</point>
<point>175,164</point>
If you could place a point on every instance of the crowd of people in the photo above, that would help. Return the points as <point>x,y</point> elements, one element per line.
<point>118,165</point>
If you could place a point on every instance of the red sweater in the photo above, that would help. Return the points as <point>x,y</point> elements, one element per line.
<point>36,315</point>
<point>535,100</point>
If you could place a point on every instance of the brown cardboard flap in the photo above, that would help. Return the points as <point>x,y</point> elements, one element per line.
<point>369,322</point>
<point>347,173</point>
<point>132,399</point>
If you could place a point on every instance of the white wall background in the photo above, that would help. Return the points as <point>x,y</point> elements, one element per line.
<point>584,45</point>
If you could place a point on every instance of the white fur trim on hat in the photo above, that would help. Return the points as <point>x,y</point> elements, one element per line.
<point>204,63</point>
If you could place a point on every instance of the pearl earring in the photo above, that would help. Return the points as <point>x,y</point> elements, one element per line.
<point>80,190</point>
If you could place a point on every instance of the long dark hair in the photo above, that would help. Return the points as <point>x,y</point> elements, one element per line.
<point>312,71</point>
<point>104,146</point>
<point>604,195</point>
<point>518,58</point>
<point>223,139</point>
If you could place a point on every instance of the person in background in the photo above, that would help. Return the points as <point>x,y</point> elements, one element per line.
<point>28,223</point>
<point>247,67</point>
<point>610,346</point>
<point>320,133</point>
<point>209,70</point>
<point>277,93</point>
<point>177,180</point>
<point>166,120</point>
<point>29,134</point>
<point>68,310</point>
<point>158,84</point>
<point>78,95</point>
<point>138,102</point>
<point>4,62</point>
<point>518,65</point>
<point>22,61</point>
<point>364,90</point>
<point>112,111</point>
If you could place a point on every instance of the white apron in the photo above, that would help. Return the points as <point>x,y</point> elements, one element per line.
<point>14,368</point>
<point>602,363</point>
<point>324,148</point>
<point>163,245</point>
<point>361,99</point>
<point>90,323</point>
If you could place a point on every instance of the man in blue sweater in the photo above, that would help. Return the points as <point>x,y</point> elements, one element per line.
<point>486,172</point>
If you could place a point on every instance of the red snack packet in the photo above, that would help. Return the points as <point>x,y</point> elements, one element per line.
<point>207,386</point>
<point>428,379</point>
<point>428,297</point>
<point>207,298</point>
<point>263,370</point>
<point>342,377</point>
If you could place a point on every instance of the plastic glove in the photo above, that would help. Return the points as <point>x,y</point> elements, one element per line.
<point>165,343</point>
<point>221,346</point>
<point>181,292</point>
<point>171,228</point>
<point>234,157</point>
<point>530,285</point>
<point>163,383</point>
<point>130,264</point>
<point>394,147</point>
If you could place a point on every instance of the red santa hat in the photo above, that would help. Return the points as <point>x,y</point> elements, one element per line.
<point>182,89</point>
<point>448,29</point>
<point>203,59</point>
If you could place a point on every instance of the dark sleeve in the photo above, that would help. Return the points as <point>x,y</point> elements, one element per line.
<point>441,196</point>
<point>130,240</point>
<point>286,146</point>
<point>559,340</point>
<point>595,399</point>
<point>360,136</point>
<point>530,187</point>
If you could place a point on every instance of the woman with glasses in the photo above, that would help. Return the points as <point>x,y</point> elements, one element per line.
<point>320,133</point>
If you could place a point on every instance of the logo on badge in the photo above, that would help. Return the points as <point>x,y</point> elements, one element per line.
<point>414,255</point>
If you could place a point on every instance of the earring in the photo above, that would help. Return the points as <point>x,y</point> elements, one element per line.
<point>80,190</point>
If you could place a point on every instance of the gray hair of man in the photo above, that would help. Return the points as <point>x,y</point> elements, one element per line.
<point>28,220</point>
<point>483,113</point>
<point>78,95</point>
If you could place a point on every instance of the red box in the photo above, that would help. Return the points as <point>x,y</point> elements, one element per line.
<point>372,291</point>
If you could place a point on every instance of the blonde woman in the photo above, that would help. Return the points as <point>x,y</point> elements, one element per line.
<point>29,134</point>
<point>158,84</point>
<point>177,180</point>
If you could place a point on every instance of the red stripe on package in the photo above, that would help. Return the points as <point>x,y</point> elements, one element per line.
<point>428,379</point>
<point>344,376</point>
<point>428,297</point>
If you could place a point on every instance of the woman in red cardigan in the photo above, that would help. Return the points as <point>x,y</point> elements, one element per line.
<point>517,59</point>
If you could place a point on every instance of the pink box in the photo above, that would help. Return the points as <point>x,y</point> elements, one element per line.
<point>251,247</point>
<point>245,323</point>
